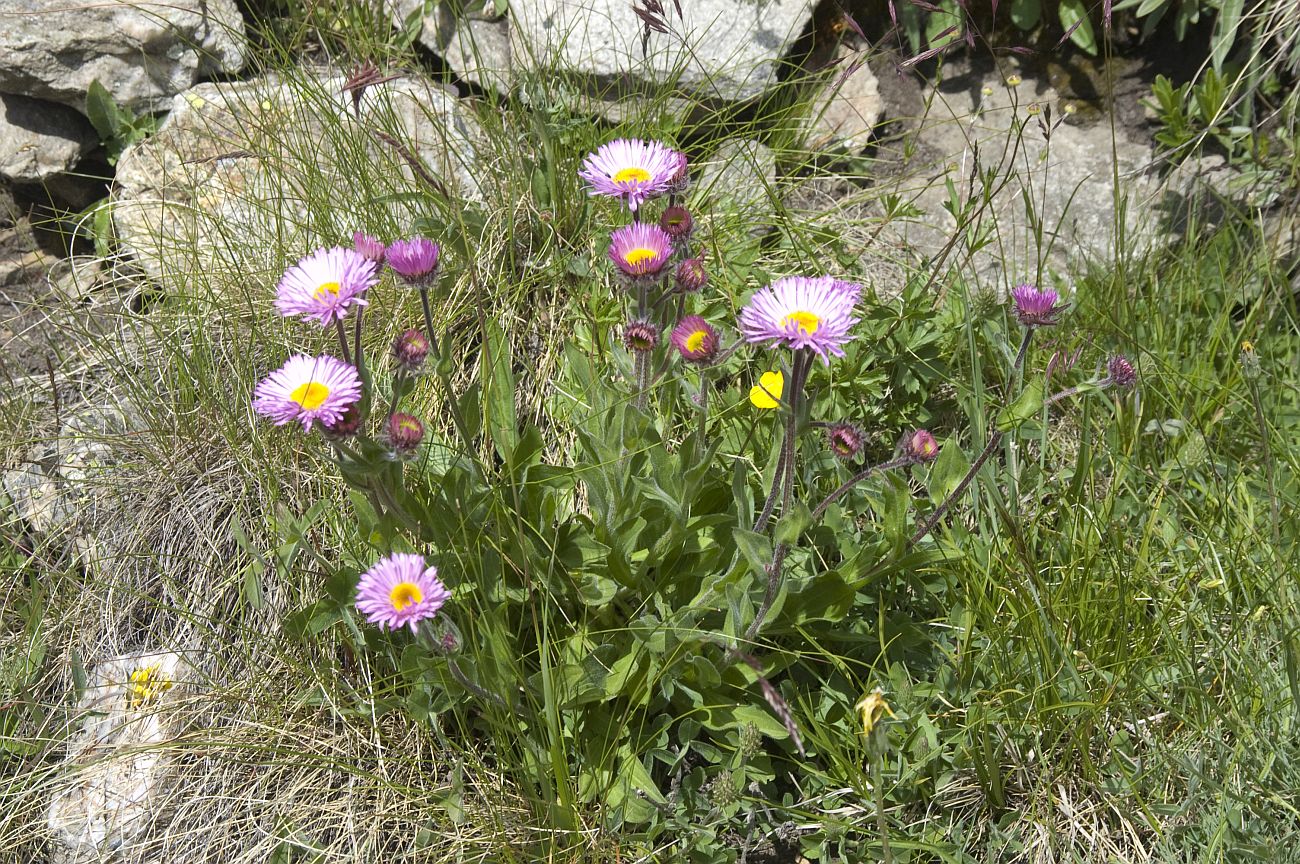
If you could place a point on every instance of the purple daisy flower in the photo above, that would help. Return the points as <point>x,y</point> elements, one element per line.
<point>400,591</point>
<point>369,246</point>
<point>632,169</point>
<point>308,389</point>
<point>640,249</point>
<point>695,339</point>
<point>415,260</point>
<point>802,312</point>
<point>1036,307</point>
<point>323,285</point>
<point>921,446</point>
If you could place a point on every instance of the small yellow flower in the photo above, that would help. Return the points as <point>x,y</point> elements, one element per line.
<point>146,684</point>
<point>873,708</point>
<point>1247,347</point>
<point>196,100</point>
<point>986,90</point>
<point>1013,80</point>
<point>767,392</point>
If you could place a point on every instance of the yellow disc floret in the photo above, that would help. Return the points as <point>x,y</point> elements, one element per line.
<point>310,395</point>
<point>805,321</point>
<point>327,288</point>
<point>405,594</point>
<point>632,175</point>
<point>634,257</point>
<point>695,341</point>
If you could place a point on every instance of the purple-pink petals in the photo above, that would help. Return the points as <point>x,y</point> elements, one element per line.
<point>695,340</point>
<point>813,312</point>
<point>640,249</point>
<point>308,389</point>
<point>415,260</point>
<point>370,247</point>
<point>633,170</point>
<point>1036,307</point>
<point>400,591</point>
<point>325,284</point>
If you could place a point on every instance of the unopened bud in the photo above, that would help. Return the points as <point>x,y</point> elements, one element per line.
<point>405,434</point>
<point>845,440</point>
<point>691,275</point>
<point>921,446</point>
<point>410,349</point>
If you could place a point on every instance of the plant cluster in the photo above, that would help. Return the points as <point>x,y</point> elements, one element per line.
<point>607,612</point>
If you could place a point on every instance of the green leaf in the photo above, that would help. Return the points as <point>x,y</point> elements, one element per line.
<point>103,111</point>
<point>1072,12</point>
<point>756,548</point>
<point>793,524</point>
<point>947,471</point>
<point>1225,31</point>
<point>1026,407</point>
<point>1026,14</point>
<point>499,391</point>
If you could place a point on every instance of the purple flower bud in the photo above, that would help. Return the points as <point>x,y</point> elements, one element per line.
<point>677,223</point>
<point>691,275</point>
<point>1122,373</point>
<point>410,349</point>
<point>347,425</point>
<point>921,446</point>
<point>370,247</point>
<point>845,440</point>
<point>405,434</point>
<point>641,336</point>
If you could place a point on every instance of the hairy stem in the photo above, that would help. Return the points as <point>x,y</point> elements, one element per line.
<point>343,341</point>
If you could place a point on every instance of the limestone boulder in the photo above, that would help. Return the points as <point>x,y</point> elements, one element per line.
<point>237,163</point>
<point>143,51</point>
<point>40,139</point>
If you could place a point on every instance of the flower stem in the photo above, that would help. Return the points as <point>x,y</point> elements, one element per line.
<point>428,322</point>
<point>356,337</point>
<point>343,341</point>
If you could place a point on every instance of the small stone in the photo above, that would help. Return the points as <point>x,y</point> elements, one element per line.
<point>39,139</point>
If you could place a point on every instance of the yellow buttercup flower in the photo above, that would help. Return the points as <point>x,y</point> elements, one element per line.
<point>873,708</point>
<point>767,392</point>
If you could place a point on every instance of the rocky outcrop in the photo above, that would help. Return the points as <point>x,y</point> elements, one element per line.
<point>844,112</point>
<point>236,163</point>
<point>40,139</point>
<point>726,50</point>
<point>143,51</point>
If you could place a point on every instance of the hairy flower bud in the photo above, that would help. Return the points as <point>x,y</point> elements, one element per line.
<point>691,275</point>
<point>921,446</point>
<point>641,336</point>
<point>677,222</point>
<point>410,350</point>
<point>1122,373</point>
<point>405,434</point>
<point>845,440</point>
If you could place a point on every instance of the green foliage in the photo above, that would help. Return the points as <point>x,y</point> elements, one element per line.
<point>118,127</point>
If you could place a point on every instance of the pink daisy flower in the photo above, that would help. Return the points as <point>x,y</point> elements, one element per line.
<point>632,169</point>
<point>308,389</point>
<point>802,312</point>
<point>369,246</point>
<point>415,260</point>
<point>1036,307</point>
<point>323,285</point>
<point>640,249</point>
<point>400,591</point>
<point>695,340</point>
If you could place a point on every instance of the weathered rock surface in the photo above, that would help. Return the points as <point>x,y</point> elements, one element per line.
<point>39,139</point>
<point>114,785</point>
<point>727,49</point>
<point>846,110</point>
<point>740,179</point>
<point>982,126</point>
<point>236,163</point>
<point>143,51</point>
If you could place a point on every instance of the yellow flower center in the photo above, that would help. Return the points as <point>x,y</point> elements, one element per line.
<point>631,175</point>
<point>695,341</point>
<point>310,395</point>
<point>405,594</point>
<point>805,321</point>
<point>635,256</point>
<point>146,684</point>
<point>327,288</point>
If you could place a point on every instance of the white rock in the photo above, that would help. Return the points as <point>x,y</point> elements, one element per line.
<point>230,167</point>
<point>848,107</point>
<point>39,139</point>
<point>114,784</point>
<point>143,51</point>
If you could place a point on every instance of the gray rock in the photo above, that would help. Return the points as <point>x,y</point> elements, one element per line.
<point>981,125</point>
<point>143,51</point>
<point>477,49</point>
<point>730,50</point>
<point>9,211</point>
<point>846,110</point>
<point>237,163</point>
<point>39,139</point>
<point>740,179</point>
